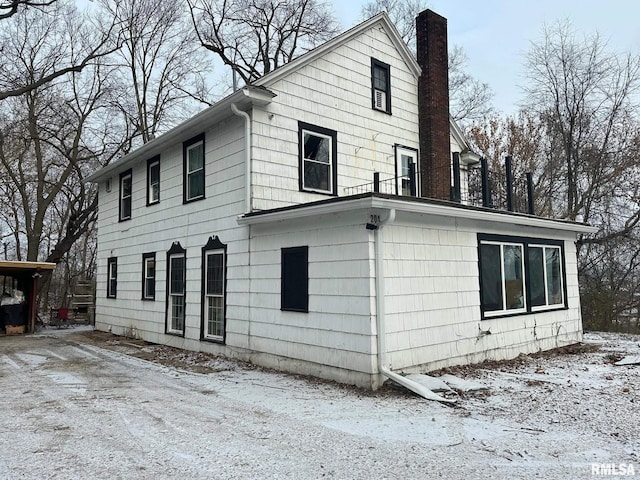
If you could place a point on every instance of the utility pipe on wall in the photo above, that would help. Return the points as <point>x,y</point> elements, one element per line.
<point>415,387</point>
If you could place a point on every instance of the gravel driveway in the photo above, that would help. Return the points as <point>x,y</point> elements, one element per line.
<point>81,405</point>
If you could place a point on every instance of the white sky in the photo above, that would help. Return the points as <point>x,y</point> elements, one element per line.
<point>496,34</point>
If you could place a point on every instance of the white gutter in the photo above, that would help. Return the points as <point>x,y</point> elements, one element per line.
<point>380,322</point>
<point>247,156</point>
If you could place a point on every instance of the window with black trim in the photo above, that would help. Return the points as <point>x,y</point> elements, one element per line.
<point>380,86</point>
<point>149,276</point>
<point>214,284</point>
<point>318,153</point>
<point>294,292</point>
<point>193,165</point>
<point>176,280</point>
<point>153,180</point>
<point>520,275</point>
<point>125,195</point>
<point>112,277</point>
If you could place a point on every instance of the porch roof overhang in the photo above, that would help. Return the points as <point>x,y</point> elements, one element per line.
<point>243,99</point>
<point>420,206</point>
<point>14,266</point>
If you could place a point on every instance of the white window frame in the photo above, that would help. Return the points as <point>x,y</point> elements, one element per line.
<point>146,277</point>
<point>193,146</point>
<point>112,277</point>
<point>305,160</point>
<point>400,151</point>
<point>209,297</point>
<point>505,310</point>
<point>548,305</point>
<point>151,199</point>
<point>126,177</point>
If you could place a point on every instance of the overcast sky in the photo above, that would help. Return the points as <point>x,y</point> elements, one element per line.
<point>496,34</point>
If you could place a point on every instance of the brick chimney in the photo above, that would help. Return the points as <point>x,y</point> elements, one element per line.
<point>433,105</point>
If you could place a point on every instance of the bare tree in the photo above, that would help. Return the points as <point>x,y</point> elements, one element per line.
<point>163,68</point>
<point>254,37</point>
<point>587,97</point>
<point>469,98</point>
<point>8,8</point>
<point>51,137</point>
<point>80,45</point>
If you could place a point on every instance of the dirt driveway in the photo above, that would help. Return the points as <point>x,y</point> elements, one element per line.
<point>79,404</point>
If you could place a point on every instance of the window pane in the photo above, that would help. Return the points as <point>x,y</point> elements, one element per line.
<point>150,288</point>
<point>154,182</point>
<point>379,78</point>
<point>554,276</point>
<point>491,277</point>
<point>513,276</point>
<point>126,186</point>
<point>196,158</point>
<point>196,184</point>
<point>177,312</point>
<point>317,148</point>
<point>215,316</point>
<point>215,270</point>
<point>177,276</point>
<point>536,276</point>
<point>316,175</point>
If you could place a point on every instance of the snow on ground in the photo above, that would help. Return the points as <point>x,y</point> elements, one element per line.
<point>82,404</point>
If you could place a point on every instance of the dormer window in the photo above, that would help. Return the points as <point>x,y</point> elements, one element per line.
<point>380,86</point>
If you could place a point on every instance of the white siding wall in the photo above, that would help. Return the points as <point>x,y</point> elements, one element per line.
<point>433,299</point>
<point>331,93</point>
<point>154,228</point>
<point>335,338</point>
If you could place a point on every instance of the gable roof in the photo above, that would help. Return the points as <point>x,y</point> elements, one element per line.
<point>381,19</point>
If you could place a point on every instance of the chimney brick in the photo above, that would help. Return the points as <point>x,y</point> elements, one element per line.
<point>433,105</point>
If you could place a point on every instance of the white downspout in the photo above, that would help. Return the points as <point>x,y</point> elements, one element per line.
<point>247,156</point>
<point>421,390</point>
<point>247,202</point>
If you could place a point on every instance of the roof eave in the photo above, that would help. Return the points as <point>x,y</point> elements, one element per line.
<point>435,208</point>
<point>243,98</point>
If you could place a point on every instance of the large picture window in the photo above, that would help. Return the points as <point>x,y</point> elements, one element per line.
<point>520,275</point>
<point>193,151</point>
<point>176,276</point>
<point>318,153</point>
<point>213,290</point>
<point>294,294</point>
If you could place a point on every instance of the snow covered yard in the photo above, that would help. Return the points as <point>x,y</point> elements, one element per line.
<point>81,404</point>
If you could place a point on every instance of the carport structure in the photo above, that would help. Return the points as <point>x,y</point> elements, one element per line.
<point>21,277</point>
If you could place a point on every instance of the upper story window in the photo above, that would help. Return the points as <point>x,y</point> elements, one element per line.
<point>153,180</point>
<point>193,153</point>
<point>380,86</point>
<point>125,195</point>
<point>318,152</point>
<point>520,275</point>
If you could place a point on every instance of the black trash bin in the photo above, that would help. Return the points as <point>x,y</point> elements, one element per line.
<point>12,315</point>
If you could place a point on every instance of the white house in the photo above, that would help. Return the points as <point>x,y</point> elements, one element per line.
<point>252,230</point>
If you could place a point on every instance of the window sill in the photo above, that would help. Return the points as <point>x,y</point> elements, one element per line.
<point>219,341</point>
<point>491,316</point>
